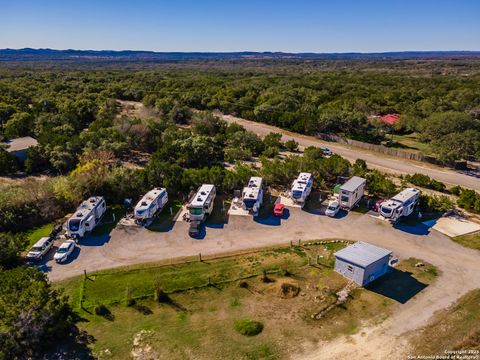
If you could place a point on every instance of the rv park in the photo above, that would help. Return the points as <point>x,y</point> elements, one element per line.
<point>180,233</point>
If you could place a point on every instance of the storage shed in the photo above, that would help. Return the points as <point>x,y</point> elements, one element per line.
<point>362,262</point>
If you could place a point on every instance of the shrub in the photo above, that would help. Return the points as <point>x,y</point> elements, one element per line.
<point>101,310</point>
<point>425,181</point>
<point>435,203</point>
<point>160,295</point>
<point>248,327</point>
<point>291,145</point>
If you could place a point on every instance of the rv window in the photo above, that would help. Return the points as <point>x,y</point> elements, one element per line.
<point>350,268</point>
<point>345,198</point>
<point>74,224</point>
<point>297,194</point>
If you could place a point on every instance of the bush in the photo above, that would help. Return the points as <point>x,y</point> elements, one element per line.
<point>248,327</point>
<point>469,200</point>
<point>435,203</point>
<point>291,145</point>
<point>10,247</point>
<point>101,310</point>
<point>379,185</point>
<point>160,295</point>
<point>425,181</point>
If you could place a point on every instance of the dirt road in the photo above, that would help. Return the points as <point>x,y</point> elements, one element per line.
<point>382,162</point>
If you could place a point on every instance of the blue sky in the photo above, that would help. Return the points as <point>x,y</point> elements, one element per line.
<point>262,25</point>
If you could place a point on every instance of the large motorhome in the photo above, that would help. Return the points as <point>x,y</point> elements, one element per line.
<point>86,217</point>
<point>400,205</point>
<point>201,204</point>
<point>252,195</point>
<point>351,192</point>
<point>301,188</point>
<point>150,204</point>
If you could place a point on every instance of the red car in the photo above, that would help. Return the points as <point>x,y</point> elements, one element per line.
<point>278,209</point>
<point>377,205</point>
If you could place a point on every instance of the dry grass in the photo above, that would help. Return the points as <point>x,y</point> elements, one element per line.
<point>456,328</point>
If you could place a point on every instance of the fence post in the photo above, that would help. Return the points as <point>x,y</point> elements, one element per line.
<point>299,242</point>
<point>318,259</point>
<point>200,257</point>
<point>291,243</point>
<point>309,261</point>
<point>85,273</point>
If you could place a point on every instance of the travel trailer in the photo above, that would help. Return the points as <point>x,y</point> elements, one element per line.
<point>151,203</point>
<point>86,217</point>
<point>252,195</point>
<point>351,192</point>
<point>301,188</point>
<point>201,204</point>
<point>400,205</point>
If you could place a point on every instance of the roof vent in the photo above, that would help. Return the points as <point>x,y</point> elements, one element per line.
<point>203,193</point>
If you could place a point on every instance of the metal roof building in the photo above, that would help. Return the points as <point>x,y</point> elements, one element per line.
<point>362,262</point>
<point>19,146</point>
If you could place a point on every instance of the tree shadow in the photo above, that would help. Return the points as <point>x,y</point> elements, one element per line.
<point>414,229</point>
<point>98,240</point>
<point>145,310</point>
<point>75,345</point>
<point>270,220</point>
<point>397,285</point>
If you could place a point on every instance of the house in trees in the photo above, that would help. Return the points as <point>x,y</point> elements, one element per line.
<point>19,146</point>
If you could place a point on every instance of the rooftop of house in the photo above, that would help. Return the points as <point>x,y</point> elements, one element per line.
<point>20,144</point>
<point>362,254</point>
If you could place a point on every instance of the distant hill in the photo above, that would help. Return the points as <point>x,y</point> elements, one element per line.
<point>28,54</point>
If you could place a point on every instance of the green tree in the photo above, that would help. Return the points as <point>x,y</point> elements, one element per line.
<point>10,247</point>
<point>34,315</point>
<point>8,163</point>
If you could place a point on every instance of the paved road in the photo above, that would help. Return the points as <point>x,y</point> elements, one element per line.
<point>380,161</point>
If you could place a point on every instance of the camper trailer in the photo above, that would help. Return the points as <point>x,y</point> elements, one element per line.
<point>252,195</point>
<point>400,205</point>
<point>201,205</point>
<point>301,188</point>
<point>151,203</point>
<point>86,217</point>
<point>351,192</point>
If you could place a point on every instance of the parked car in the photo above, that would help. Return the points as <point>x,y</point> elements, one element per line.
<point>40,249</point>
<point>326,151</point>
<point>64,251</point>
<point>377,205</point>
<point>278,210</point>
<point>332,208</point>
<point>194,229</point>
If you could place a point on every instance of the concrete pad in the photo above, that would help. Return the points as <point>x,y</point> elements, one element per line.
<point>455,226</point>
<point>287,201</point>
<point>237,210</point>
<point>181,214</point>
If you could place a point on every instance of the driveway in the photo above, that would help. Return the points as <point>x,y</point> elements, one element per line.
<point>382,162</point>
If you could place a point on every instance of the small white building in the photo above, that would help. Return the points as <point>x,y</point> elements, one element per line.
<point>351,192</point>
<point>362,262</point>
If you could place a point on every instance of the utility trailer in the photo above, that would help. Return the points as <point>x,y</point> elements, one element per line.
<point>86,217</point>
<point>402,204</point>
<point>252,195</point>
<point>301,188</point>
<point>151,203</point>
<point>351,192</point>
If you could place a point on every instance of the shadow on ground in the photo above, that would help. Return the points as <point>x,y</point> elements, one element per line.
<point>397,285</point>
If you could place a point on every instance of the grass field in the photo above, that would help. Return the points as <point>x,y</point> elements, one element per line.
<point>110,219</point>
<point>456,328</point>
<point>411,142</point>
<point>198,321</point>
<point>469,240</point>
<point>35,234</point>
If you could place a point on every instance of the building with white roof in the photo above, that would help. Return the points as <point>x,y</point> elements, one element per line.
<point>362,262</point>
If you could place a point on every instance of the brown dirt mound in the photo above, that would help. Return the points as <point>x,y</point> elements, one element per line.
<point>288,291</point>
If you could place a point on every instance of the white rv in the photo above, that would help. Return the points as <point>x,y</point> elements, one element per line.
<point>150,204</point>
<point>301,188</point>
<point>351,192</point>
<point>252,195</point>
<point>86,217</point>
<point>400,205</point>
<point>201,204</point>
